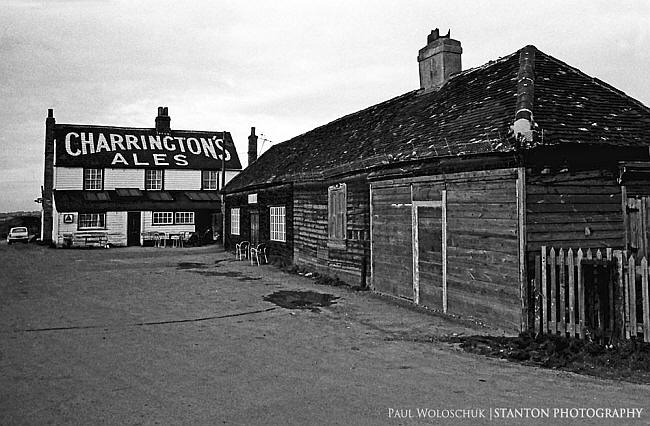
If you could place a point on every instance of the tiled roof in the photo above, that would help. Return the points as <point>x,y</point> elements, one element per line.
<point>471,114</point>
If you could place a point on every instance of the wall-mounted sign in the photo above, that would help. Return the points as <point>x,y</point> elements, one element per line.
<point>252,198</point>
<point>85,146</point>
<point>68,218</point>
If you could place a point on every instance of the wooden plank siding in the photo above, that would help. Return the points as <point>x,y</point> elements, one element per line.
<point>281,252</point>
<point>561,206</point>
<point>347,260</point>
<point>482,249</point>
<point>482,245</point>
<point>392,250</point>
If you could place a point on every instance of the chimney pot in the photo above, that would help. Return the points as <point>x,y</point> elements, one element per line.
<point>163,121</point>
<point>50,113</point>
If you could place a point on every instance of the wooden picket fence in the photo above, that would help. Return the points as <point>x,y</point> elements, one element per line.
<point>591,295</point>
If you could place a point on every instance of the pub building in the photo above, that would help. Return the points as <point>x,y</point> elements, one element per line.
<point>125,186</point>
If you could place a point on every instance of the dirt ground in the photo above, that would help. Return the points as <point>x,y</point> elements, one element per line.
<point>192,336</point>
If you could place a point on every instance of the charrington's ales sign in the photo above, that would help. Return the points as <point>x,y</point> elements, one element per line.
<point>85,146</point>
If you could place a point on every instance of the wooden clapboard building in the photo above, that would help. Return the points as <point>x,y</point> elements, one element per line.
<point>124,184</point>
<point>443,195</point>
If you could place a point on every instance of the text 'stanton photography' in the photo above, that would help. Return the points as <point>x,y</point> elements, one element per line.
<point>393,213</point>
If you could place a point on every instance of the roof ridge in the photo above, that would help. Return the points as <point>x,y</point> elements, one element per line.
<point>596,80</point>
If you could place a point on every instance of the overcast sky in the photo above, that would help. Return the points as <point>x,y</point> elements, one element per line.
<point>284,67</point>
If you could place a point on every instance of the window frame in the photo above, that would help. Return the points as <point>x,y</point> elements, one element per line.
<point>80,221</point>
<point>159,223</point>
<point>216,180</point>
<point>86,179</point>
<point>162,179</point>
<point>235,212</point>
<point>182,222</point>
<point>337,199</point>
<point>278,230</point>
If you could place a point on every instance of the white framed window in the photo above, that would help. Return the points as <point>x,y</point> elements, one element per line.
<point>234,221</point>
<point>162,218</point>
<point>93,179</point>
<point>184,218</point>
<point>92,220</point>
<point>336,209</point>
<point>278,220</point>
<point>209,179</point>
<point>153,180</point>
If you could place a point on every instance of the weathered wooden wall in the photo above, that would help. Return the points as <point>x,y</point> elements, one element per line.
<point>483,248</point>
<point>350,260</point>
<point>266,198</point>
<point>392,246</point>
<point>482,263</point>
<point>578,209</point>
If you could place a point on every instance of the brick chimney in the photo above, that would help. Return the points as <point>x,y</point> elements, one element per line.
<point>438,60</point>
<point>163,121</point>
<point>252,147</point>
<point>47,218</point>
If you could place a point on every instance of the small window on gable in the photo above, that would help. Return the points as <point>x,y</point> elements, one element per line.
<point>153,180</point>
<point>336,208</point>
<point>209,179</point>
<point>93,179</point>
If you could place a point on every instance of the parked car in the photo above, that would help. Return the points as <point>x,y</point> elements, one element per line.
<point>18,234</point>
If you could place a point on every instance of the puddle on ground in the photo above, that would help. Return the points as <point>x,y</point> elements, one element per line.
<point>199,268</point>
<point>191,265</point>
<point>291,299</point>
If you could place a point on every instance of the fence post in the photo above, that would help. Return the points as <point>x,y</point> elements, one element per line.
<point>632,293</point>
<point>562,294</point>
<point>544,287</point>
<point>553,325</point>
<point>537,295</point>
<point>572,314</point>
<point>581,295</point>
<point>620,313</point>
<point>646,302</point>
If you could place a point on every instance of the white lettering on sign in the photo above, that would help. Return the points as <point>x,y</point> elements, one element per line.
<point>68,148</point>
<point>85,143</point>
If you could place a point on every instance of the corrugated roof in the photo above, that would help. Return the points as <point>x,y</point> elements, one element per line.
<point>471,114</point>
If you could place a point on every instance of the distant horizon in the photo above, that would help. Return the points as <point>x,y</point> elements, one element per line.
<point>285,67</point>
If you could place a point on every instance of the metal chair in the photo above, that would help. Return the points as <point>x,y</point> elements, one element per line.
<point>257,251</point>
<point>241,250</point>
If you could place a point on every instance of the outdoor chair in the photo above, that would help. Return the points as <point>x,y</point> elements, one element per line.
<point>241,250</point>
<point>258,251</point>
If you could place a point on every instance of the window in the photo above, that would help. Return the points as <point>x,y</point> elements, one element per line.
<point>209,179</point>
<point>92,220</point>
<point>336,208</point>
<point>184,218</point>
<point>234,221</point>
<point>93,179</point>
<point>171,218</point>
<point>153,179</point>
<point>163,218</point>
<point>278,220</point>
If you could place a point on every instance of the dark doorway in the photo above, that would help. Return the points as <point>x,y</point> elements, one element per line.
<point>133,228</point>
<point>203,226</point>
<point>255,227</point>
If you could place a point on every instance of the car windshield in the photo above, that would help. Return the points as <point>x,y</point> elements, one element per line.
<point>17,230</point>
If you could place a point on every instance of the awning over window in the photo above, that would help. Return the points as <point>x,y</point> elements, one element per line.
<point>129,199</point>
